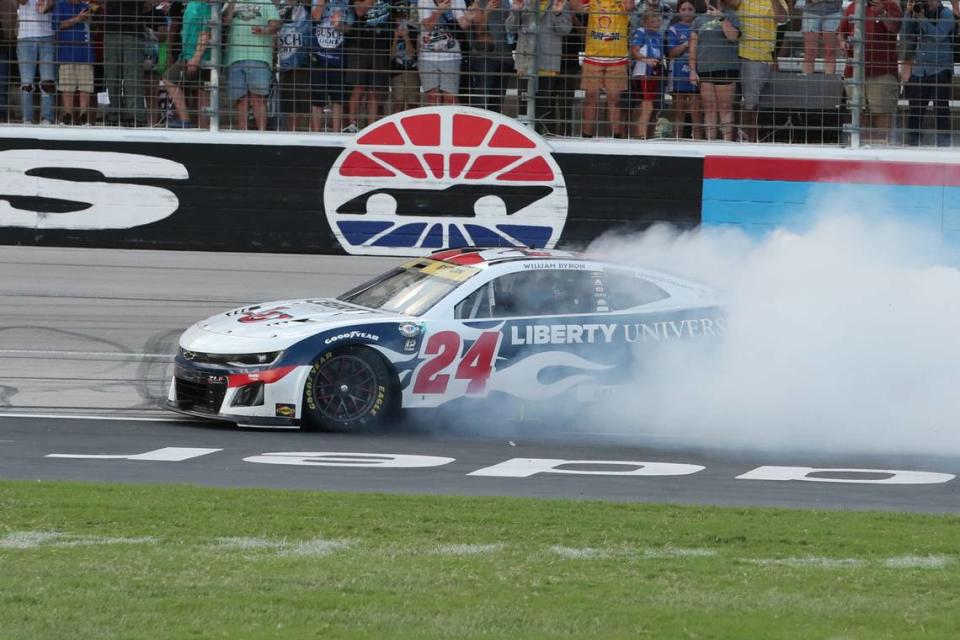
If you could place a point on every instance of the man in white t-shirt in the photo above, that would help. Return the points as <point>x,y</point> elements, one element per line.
<point>36,47</point>
<point>439,51</point>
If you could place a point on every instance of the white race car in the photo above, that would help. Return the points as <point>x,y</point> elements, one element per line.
<point>529,325</point>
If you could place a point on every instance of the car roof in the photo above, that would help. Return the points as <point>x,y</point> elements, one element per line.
<point>479,256</point>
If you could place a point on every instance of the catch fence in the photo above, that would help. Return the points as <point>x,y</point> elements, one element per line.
<point>872,72</point>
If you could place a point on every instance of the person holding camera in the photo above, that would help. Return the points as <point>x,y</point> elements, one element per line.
<point>928,28</point>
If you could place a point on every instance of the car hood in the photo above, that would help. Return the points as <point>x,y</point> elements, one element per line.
<point>273,325</point>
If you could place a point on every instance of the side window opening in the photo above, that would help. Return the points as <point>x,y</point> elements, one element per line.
<point>543,293</point>
<point>625,290</point>
<point>478,305</point>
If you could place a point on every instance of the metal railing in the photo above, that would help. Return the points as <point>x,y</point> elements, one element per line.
<point>872,72</point>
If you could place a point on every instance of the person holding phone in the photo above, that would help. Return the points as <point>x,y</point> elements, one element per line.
<point>75,58</point>
<point>881,88</point>
<point>714,65</point>
<point>686,98</point>
<point>439,48</point>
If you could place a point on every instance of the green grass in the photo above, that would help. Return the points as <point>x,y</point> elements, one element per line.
<point>116,561</point>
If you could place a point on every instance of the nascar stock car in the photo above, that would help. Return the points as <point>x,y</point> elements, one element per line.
<point>530,325</point>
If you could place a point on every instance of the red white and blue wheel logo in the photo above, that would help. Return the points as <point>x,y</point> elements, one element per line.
<point>437,177</point>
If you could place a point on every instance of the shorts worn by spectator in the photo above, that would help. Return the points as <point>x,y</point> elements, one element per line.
<point>715,65</point>
<point>606,54</point>
<point>404,79</point>
<point>439,54</point>
<point>293,61</point>
<point>820,20</point>
<point>71,19</point>
<point>882,19</point>
<point>758,37</point>
<point>35,46</point>
<point>249,57</point>
<point>188,71</point>
<point>540,33</point>
<point>123,61</point>
<point>368,60</point>
<point>331,18</point>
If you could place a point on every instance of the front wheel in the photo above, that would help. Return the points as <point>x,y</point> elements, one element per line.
<point>346,390</point>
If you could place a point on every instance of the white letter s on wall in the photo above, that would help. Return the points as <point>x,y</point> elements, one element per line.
<point>112,205</point>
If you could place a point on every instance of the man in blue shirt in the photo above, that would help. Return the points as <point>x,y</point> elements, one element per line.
<point>927,35</point>
<point>71,19</point>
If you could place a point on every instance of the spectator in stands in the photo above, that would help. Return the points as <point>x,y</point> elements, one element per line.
<point>293,61</point>
<point>758,34</point>
<point>606,54</point>
<point>881,24</point>
<point>439,52</point>
<point>156,53</point>
<point>187,71</point>
<point>8,48</point>
<point>368,61</point>
<point>74,57</point>
<point>404,81</point>
<point>668,17</point>
<point>646,49</point>
<point>123,60</point>
<point>490,60</point>
<point>35,46</point>
<point>331,18</point>
<point>820,20</point>
<point>249,57</point>
<point>686,99</point>
<point>540,33</point>
<point>714,65</point>
<point>930,26</point>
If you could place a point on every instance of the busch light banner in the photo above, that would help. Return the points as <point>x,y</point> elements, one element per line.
<point>409,184</point>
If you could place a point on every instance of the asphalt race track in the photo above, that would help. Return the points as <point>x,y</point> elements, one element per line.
<point>86,337</point>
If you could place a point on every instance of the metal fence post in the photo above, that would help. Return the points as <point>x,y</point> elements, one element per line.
<point>858,61</point>
<point>216,36</point>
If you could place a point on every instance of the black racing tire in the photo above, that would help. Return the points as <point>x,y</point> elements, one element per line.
<point>348,389</point>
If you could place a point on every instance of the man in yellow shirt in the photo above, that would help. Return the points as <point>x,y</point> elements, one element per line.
<point>606,57</point>
<point>758,37</point>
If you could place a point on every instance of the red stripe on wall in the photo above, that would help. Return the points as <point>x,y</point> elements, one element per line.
<point>919,174</point>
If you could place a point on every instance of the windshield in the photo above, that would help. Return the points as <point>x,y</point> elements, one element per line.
<point>412,288</point>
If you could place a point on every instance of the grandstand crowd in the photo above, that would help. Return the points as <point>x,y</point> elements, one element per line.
<point>701,69</point>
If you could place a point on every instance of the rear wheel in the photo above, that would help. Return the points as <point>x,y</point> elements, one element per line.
<point>348,389</point>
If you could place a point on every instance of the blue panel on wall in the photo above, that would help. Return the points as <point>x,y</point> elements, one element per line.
<point>360,231</point>
<point>403,236</point>
<point>434,237</point>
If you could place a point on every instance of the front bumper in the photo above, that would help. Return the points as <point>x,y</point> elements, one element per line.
<point>239,420</point>
<point>256,399</point>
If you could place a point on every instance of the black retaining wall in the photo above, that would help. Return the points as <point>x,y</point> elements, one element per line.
<point>270,198</point>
